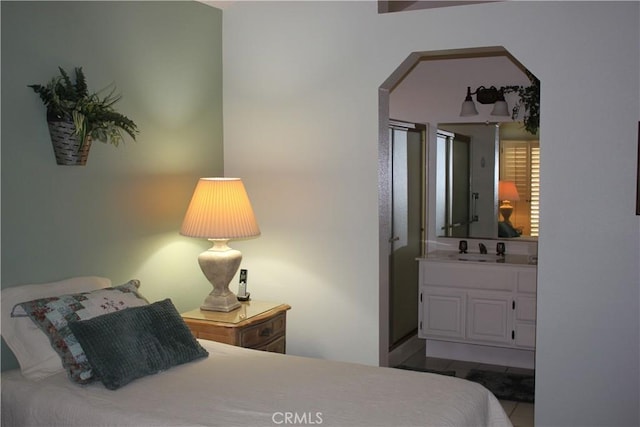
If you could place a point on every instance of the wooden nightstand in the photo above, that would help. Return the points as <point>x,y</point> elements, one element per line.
<point>256,324</point>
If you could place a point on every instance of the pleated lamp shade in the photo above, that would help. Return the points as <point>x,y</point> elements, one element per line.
<point>220,209</point>
<point>507,191</point>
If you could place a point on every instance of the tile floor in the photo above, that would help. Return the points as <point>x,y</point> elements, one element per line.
<point>520,414</point>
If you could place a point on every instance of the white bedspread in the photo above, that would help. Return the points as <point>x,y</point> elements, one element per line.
<point>239,387</point>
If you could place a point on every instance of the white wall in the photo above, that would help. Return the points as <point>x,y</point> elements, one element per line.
<point>301,118</point>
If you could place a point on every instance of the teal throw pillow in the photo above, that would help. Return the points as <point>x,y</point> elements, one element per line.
<point>136,342</point>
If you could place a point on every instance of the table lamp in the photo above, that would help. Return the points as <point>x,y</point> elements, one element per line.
<point>507,192</point>
<point>220,211</point>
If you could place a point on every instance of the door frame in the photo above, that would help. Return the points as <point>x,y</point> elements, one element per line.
<point>384,178</point>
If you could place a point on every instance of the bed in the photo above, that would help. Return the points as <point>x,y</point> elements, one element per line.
<point>233,386</point>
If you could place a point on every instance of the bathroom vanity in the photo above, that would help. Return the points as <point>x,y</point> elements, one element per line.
<point>478,307</point>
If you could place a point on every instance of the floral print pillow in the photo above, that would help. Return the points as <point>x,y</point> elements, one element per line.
<point>53,314</point>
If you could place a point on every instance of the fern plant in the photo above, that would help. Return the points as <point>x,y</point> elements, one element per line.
<point>92,114</point>
<point>530,100</point>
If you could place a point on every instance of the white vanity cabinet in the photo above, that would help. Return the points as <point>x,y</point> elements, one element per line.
<point>491,304</point>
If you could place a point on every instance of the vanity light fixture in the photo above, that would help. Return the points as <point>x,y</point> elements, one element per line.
<point>507,193</point>
<point>220,211</point>
<point>491,95</point>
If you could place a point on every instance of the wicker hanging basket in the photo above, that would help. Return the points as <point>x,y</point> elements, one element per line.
<point>66,144</point>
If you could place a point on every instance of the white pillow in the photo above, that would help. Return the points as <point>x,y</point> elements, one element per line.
<point>29,344</point>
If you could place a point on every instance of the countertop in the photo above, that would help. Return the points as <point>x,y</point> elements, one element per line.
<point>473,257</point>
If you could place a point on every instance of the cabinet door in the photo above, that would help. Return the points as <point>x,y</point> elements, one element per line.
<point>489,316</point>
<point>526,335</point>
<point>443,313</point>
<point>526,308</point>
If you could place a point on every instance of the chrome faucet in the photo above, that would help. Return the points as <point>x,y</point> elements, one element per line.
<point>483,248</point>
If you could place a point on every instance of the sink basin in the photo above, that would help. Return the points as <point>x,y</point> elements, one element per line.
<point>477,257</point>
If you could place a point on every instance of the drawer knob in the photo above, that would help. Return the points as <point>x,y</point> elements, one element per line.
<point>265,332</point>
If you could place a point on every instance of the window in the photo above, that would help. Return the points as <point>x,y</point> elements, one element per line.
<point>520,163</point>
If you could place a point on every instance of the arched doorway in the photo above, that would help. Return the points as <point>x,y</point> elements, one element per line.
<point>427,105</point>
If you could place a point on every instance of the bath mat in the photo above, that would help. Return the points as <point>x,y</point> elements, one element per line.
<point>504,385</point>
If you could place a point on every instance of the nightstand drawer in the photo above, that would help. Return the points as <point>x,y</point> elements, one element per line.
<point>277,346</point>
<point>263,333</point>
<point>213,335</point>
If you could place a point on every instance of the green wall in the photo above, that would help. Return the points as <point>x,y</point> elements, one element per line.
<point>119,215</point>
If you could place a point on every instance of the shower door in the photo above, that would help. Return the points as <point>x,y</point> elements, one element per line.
<point>408,210</point>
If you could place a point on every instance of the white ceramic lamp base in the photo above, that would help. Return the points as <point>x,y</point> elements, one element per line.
<point>219,264</point>
<point>506,210</point>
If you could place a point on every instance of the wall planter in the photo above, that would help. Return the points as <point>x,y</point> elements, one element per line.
<point>67,147</point>
<point>77,117</point>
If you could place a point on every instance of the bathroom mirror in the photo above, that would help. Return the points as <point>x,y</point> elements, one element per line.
<point>471,160</point>
<point>466,177</point>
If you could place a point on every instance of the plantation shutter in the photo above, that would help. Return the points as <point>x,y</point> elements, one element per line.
<point>535,189</point>
<point>520,163</point>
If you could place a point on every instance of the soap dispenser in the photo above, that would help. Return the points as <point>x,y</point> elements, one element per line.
<point>483,248</point>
